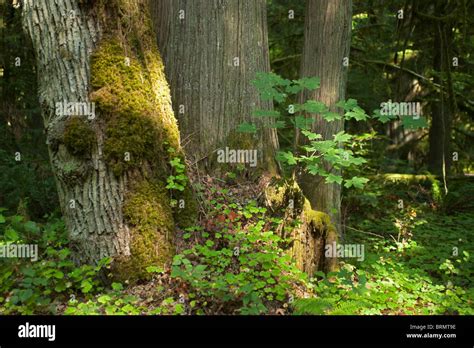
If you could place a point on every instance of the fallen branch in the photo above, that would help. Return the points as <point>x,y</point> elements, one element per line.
<point>355,229</point>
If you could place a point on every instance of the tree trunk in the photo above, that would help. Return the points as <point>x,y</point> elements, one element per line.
<point>111,164</point>
<point>212,50</point>
<point>326,45</point>
<point>439,156</point>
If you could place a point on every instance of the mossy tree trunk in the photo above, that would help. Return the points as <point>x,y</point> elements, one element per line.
<point>111,165</point>
<point>212,50</point>
<point>326,46</point>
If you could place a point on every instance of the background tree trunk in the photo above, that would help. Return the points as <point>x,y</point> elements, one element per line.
<point>326,43</point>
<point>110,168</point>
<point>212,50</point>
<point>440,155</point>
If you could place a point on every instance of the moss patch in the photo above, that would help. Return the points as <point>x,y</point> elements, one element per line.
<point>79,137</point>
<point>130,142</point>
<point>239,140</point>
<point>151,220</point>
<point>406,178</point>
<point>185,216</point>
<point>133,97</point>
<point>320,220</point>
<point>282,194</point>
<point>242,171</point>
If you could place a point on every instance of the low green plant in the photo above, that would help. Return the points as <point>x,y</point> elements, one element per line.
<point>34,287</point>
<point>113,302</point>
<point>178,180</point>
<point>239,266</point>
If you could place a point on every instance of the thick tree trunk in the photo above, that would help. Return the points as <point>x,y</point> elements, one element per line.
<point>110,167</point>
<point>212,50</point>
<point>326,45</point>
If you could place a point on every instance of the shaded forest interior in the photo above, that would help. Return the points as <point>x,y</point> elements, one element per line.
<point>236,157</point>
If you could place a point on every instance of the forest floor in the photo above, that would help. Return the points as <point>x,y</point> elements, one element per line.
<point>431,273</point>
<point>417,260</point>
<point>418,256</point>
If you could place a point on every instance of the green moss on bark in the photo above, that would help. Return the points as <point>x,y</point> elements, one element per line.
<point>265,161</point>
<point>133,97</point>
<point>185,216</point>
<point>152,226</point>
<point>79,137</point>
<point>284,194</point>
<point>321,221</point>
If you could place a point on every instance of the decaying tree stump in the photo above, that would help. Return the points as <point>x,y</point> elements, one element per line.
<point>309,230</point>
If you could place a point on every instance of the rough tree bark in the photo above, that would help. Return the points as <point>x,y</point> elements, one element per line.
<point>109,167</point>
<point>326,44</point>
<point>212,50</point>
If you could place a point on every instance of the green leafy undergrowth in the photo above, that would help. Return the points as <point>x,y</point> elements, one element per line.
<point>113,302</point>
<point>238,264</point>
<point>42,286</point>
<point>418,260</point>
<point>152,298</point>
<point>179,180</point>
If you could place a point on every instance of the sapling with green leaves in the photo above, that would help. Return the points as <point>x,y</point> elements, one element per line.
<point>323,157</point>
<point>178,180</point>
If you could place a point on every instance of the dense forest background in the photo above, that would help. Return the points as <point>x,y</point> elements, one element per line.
<point>133,212</point>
